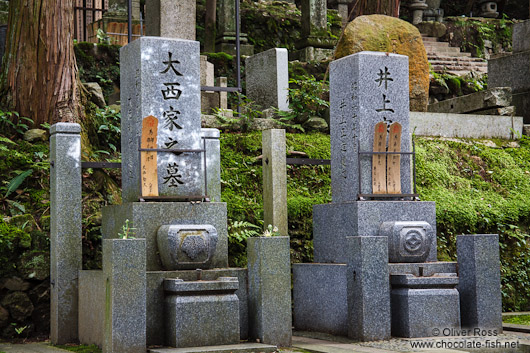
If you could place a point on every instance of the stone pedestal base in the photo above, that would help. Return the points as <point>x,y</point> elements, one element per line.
<point>311,54</point>
<point>201,313</point>
<point>423,305</point>
<point>230,48</point>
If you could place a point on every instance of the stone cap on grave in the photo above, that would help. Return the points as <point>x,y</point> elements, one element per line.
<point>65,128</point>
<point>439,280</point>
<point>222,284</point>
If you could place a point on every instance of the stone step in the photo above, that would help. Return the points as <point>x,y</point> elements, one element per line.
<point>456,58</point>
<point>436,45</point>
<point>429,39</point>
<point>461,61</point>
<point>451,68</point>
<point>443,50</point>
<point>229,348</point>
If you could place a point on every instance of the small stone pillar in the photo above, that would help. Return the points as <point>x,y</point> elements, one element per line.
<point>274,180</point>
<point>267,77</point>
<point>65,230</point>
<point>125,296</point>
<point>480,281</point>
<point>170,18</point>
<point>417,7</point>
<point>368,288</point>
<point>269,290</point>
<point>213,163</point>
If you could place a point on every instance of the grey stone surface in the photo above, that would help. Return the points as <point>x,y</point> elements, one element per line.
<point>267,78</point>
<point>156,329</point>
<point>186,246</point>
<point>213,163</point>
<point>223,96</point>
<point>125,296</point>
<point>509,111</point>
<point>65,230</point>
<point>368,288</point>
<point>333,222</point>
<point>320,298</point>
<point>427,268</point>
<point>439,280</point>
<point>201,313</point>
<point>226,30</point>
<point>170,19</point>
<point>521,36</point>
<point>269,290</point>
<point>91,307</point>
<point>490,98</point>
<point>227,348</point>
<point>274,179</point>
<point>160,77</point>
<point>95,93</point>
<point>480,281</point>
<point>408,241</point>
<point>420,312</point>
<point>521,101</point>
<point>465,125</point>
<point>365,89</point>
<point>147,217</point>
<point>314,17</point>
<point>510,71</point>
<point>308,54</point>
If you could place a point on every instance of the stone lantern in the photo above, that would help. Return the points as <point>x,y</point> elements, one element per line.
<point>488,8</point>
<point>417,7</point>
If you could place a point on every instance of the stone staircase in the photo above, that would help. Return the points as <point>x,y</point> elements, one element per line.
<point>444,58</point>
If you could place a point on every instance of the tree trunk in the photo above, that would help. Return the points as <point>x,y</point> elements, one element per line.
<point>370,7</point>
<point>39,74</point>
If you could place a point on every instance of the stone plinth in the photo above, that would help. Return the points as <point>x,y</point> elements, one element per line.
<point>160,77</point>
<point>170,19</point>
<point>480,281</point>
<point>269,286</point>
<point>521,36</point>
<point>333,222</point>
<point>156,329</point>
<point>423,306</point>
<point>201,313</point>
<point>510,71</point>
<point>147,217</point>
<point>65,230</point>
<point>365,88</point>
<point>368,288</point>
<point>125,296</point>
<point>267,78</point>
<point>320,298</point>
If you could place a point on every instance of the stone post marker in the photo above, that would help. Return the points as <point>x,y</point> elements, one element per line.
<point>161,78</point>
<point>274,180</point>
<point>170,18</point>
<point>374,86</point>
<point>269,289</point>
<point>65,230</point>
<point>267,76</point>
<point>368,288</point>
<point>125,294</point>
<point>479,281</point>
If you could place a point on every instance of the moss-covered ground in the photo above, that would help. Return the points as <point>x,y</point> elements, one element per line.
<point>517,319</point>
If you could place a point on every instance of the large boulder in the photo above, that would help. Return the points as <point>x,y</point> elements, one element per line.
<point>391,35</point>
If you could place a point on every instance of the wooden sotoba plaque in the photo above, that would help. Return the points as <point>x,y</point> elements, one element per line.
<point>378,160</point>
<point>148,160</point>
<point>393,162</point>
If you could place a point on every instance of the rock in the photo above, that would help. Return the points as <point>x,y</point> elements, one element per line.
<point>389,34</point>
<point>95,94</point>
<point>265,124</point>
<point>16,284</point>
<point>315,123</point>
<point>35,265</point>
<point>25,222</point>
<point>19,305</point>
<point>432,28</point>
<point>40,294</point>
<point>115,107</point>
<point>4,317</point>
<point>36,135</point>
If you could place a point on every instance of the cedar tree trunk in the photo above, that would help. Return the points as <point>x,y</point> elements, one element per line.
<point>371,7</point>
<point>39,73</point>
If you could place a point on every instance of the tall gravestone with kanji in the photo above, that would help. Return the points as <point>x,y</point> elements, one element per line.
<point>161,79</point>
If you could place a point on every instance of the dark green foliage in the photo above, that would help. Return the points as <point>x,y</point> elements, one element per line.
<point>470,34</point>
<point>13,242</point>
<point>99,63</point>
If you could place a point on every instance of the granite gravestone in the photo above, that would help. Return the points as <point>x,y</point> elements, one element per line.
<point>374,86</point>
<point>161,78</point>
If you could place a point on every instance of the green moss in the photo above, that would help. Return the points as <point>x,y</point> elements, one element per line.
<point>517,319</point>
<point>80,348</point>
